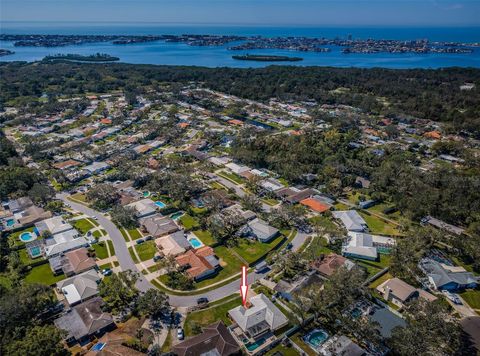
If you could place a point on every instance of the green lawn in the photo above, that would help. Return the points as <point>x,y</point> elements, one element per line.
<point>124,234</point>
<point>146,250</point>
<point>132,254</point>
<point>270,201</point>
<point>83,225</point>
<point>25,257</point>
<point>323,221</point>
<point>14,238</point>
<point>134,234</point>
<point>341,207</point>
<point>232,177</point>
<point>285,351</point>
<point>298,340</point>
<point>105,266</point>
<point>43,274</point>
<point>97,234</point>
<point>231,265</point>
<point>317,247</point>
<point>208,316</point>
<point>101,250</point>
<point>216,185</point>
<point>380,280</point>
<point>79,196</point>
<point>189,222</point>
<point>251,250</point>
<point>472,297</point>
<point>374,267</point>
<point>205,236</point>
<point>379,226</point>
<point>110,246</point>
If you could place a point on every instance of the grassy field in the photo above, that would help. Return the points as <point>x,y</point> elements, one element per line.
<point>100,250</point>
<point>251,250</point>
<point>83,225</point>
<point>208,316</point>
<point>472,297</point>
<point>79,196</point>
<point>232,177</point>
<point>380,280</point>
<point>111,248</point>
<point>189,222</point>
<point>374,267</point>
<point>317,247</point>
<point>231,265</point>
<point>323,221</point>
<point>341,207</point>
<point>379,226</point>
<point>43,274</point>
<point>216,185</point>
<point>146,251</point>
<point>134,234</point>
<point>205,236</point>
<point>132,254</point>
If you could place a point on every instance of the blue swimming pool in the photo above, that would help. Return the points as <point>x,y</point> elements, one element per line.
<point>35,251</point>
<point>10,222</point>
<point>255,345</point>
<point>196,243</point>
<point>177,215</point>
<point>146,194</point>
<point>315,338</point>
<point>27,236</point>
<point>160,204</point>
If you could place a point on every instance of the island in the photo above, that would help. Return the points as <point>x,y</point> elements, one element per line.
<point>267,58</point>
<point>99,57</point>
<point>5,52</point>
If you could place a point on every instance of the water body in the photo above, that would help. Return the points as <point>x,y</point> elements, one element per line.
<point>160,52</point>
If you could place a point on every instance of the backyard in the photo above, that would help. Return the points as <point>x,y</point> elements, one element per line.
<point>205,236</point>
<point>189,222</point>
<point>472,297</point>
<point>379,226</point>
<point>252,250</point>
<point>43,274</point>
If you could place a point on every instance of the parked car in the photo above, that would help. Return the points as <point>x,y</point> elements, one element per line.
<point>139,241</point>
<point>107,272</point>
<point>453,297</point>
<point>180,334</point>
<point>289,246</point>
<point>157,258</point>
<point>202,301</point>
<point>148,238</point>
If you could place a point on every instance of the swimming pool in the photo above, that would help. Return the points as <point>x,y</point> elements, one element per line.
<point>27,236</point>
<point>35,251</point>
<point>160,204</point>
<point>10,222</point>
<point>255,345</point>
<point>177,215</point>
<point>315,338</point>
<point>146,194</point>
<point>196,243</point>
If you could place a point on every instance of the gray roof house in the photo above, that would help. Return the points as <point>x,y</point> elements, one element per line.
<point>341,345</point>
<point>352,220</point>
<point>443,277</point>
<point>84,321</point>
<point>261,230</point>
<point>81,287</point>
<point>260,317</point>
<point>144,207</point>
<point>158,225</point>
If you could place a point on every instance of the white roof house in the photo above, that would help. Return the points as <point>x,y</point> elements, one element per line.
<point>144,207</point>
<point>96,167</point>
<point>359,245</point>
<point>236,168</point>
<point>262,230</point>
<point>80,287</point>
<point>219,161</point>
<point>352,220</point>
<point>63,242</point>
<point>261,316</point>
<point>54,225</point>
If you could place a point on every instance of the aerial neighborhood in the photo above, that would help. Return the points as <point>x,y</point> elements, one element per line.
<point>127,215</point>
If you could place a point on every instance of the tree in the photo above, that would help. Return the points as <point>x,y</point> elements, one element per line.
<point>40,193</point>
<point>430,330</point>
<point>55,206</point>
<point>224,227</point>
<point>154,304</point>
<point>251,202</point>
<point>40,340</point>
<point>103,196</point>
<point>124,216</point>
<point>118,291</point>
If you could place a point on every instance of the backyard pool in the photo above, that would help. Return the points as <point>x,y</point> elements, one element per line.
<point>35,251</point>
<point>177,215</point>
<point>160,204</point>
<point>10,222</point>
<point>315,338</point>
<point>196,243</point>
<point>255,345</point>
<point>27,236</point>
<point>146,194</point>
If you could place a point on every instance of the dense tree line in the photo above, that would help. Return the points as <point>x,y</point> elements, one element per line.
<point>428,94</point>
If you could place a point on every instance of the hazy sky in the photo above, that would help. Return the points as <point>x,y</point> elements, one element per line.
<point>254,12</point>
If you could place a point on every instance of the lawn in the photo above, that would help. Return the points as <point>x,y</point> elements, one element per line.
<point>83,225</point>
<point>43,274</point>
<point>132,254</point>
<point>25,257</point>
<point>298,340</point>
<point>79,196</point>
<point>208,316</point>
<point>231,265</point>
<point>270,201</point>
<point>324,221</point>
<point>251,250</point>
<point>472,297</point>
<point>14,238</point>
<point>189,222</point>
<point>97,234</point>
<point>134,234</point>
<point>283,350</point>
<point>317,247</point>
<point>205,236</point>
<point>379,226</point>
<point>374,267</point>
<point>216,185</point>
<point>111,248</point>
<point>380,280</point>
<point>125,235</point>
<point>146,250</point>
<point>232,177</point>
<point>341,207</point>
<point>100,250</point>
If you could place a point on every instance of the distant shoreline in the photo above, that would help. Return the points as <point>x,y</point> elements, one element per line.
<point>267,58</point>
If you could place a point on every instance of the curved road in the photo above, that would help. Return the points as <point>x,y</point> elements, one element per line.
<point>126,262</point>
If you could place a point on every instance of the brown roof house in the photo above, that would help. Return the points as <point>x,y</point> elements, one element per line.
<point>158,225</point>
<point>214,340</point>
<point>78,261</point>
<point>85,321</point>
<point>399,292</point>
<point>199,263</point>
<point>327,265</point>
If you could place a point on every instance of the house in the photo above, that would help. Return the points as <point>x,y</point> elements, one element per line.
<point>246,215</point>
<point>158,225</point>
<point>271,184</point>
<point>450,278</point>
<point>365,246</point>
<point>315,204</point>
<point>261,230</point>
<point>21,212</point>
<point>173,244</point>
<point>55,225</point>
<point>215,340</point>
<point>80,288</point>
<point>399,292</point>
<point>327,265</point>
<point>66,164</point>
<point>63,242</point>
<point>367,204</point>
<point>96,167</point>
<point>361,182</point>
<point>260,317</point>
<point>341,345</point>
<point>352,220</point>
<point>296,195</point>
<point>85,321</point>
<point>199,263</point>
<point>236,168</point>
<point>144,207</point>
<point>77,261</point>
<point>439,224</point>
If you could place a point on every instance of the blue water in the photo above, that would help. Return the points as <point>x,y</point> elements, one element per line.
<point>26,236</point>
<point>195,242</point>
<point>316,337</point>
<point>160,204</point>
<point>217,56</point>
<point>10,222</point>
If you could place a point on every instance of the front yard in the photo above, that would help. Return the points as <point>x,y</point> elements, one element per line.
<point>231,265</point>
<point>146,250</point>
<point>83,225</point>
<point>252,250</point>
<point>472,297</point>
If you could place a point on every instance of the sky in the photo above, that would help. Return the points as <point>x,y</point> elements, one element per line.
<point>249,12</point>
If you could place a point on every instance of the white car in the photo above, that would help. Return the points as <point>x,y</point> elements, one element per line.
<point>453,297</point>
<point>180,334</point>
